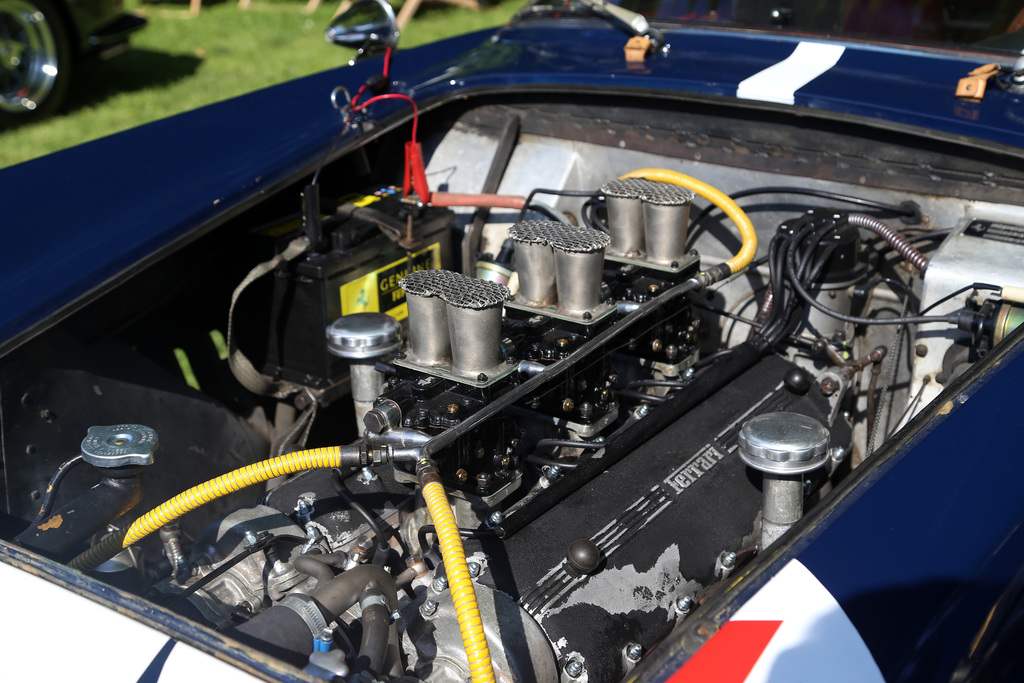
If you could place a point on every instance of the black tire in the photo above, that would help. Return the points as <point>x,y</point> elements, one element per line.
<point>35,60</point>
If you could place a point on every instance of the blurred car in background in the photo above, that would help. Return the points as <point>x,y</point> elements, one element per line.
<point>41,40</point>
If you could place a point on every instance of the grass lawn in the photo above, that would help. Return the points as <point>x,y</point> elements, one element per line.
<point>180,62</point>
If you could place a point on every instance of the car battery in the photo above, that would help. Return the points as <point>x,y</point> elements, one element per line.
<point>359,271</point>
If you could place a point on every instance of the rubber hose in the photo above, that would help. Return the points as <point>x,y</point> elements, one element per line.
<point>892,236</point>
<point>490,201</point>
<point>299,461</point>
<point>344,591</point>
<point>213,489</point>
<point>99,553</point>
<point>283,633</point>
<point>279,632</point>
<point>748,249</point>
<point>376,623</point>
<point>311,567</point>
<point>461,585</point>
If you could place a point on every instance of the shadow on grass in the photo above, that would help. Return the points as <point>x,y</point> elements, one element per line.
<point>136,70</point>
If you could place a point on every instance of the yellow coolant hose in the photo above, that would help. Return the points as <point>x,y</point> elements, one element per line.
<point>263,471</point>
<point>749,247</point>
<point>459,582</point>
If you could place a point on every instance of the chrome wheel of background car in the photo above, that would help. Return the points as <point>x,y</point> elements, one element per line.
<point>33,58</point>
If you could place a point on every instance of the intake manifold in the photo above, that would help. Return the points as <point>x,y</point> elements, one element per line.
<point>454,320</point>
<point>559,265</point>
<point>648,220</point>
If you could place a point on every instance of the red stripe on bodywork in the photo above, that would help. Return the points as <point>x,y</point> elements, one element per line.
<point>730,654</point>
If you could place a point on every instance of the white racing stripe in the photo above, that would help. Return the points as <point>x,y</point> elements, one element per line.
<point>815,636</point>
<point>186,664</point>
<point>779,82</point>
<point>50,633</point>
<point>53,634</point>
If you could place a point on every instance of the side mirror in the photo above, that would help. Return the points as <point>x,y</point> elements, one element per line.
<point>369,26</point>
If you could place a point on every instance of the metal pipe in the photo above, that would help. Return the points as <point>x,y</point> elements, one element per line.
<point>366,382</point>
<point>782,506</point>
<point>890,235</point>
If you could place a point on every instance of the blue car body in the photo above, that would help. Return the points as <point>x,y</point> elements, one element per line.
<point>924,542</point>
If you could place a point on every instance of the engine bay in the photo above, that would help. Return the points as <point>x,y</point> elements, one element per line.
<point>348,411</point>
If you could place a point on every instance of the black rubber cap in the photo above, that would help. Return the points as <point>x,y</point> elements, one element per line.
<point>798,381</point>
<point>583,556</point>
<point>375,422</point>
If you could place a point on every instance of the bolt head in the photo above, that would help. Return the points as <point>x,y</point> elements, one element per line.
<point>641,411</point>
<point>440,584</point>
<point>495,518</point>
<point>429,608</point>
<point>684,604</point>
<point>689,373</point>
<point>474,569</point>
<point>729,560</point>
<point>574,668</point>
<point>633,651</point>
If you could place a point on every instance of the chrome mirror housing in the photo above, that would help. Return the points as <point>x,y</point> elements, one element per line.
<point>369,26</point>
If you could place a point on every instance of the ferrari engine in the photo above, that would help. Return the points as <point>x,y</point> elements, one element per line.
<point>441,440</point>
